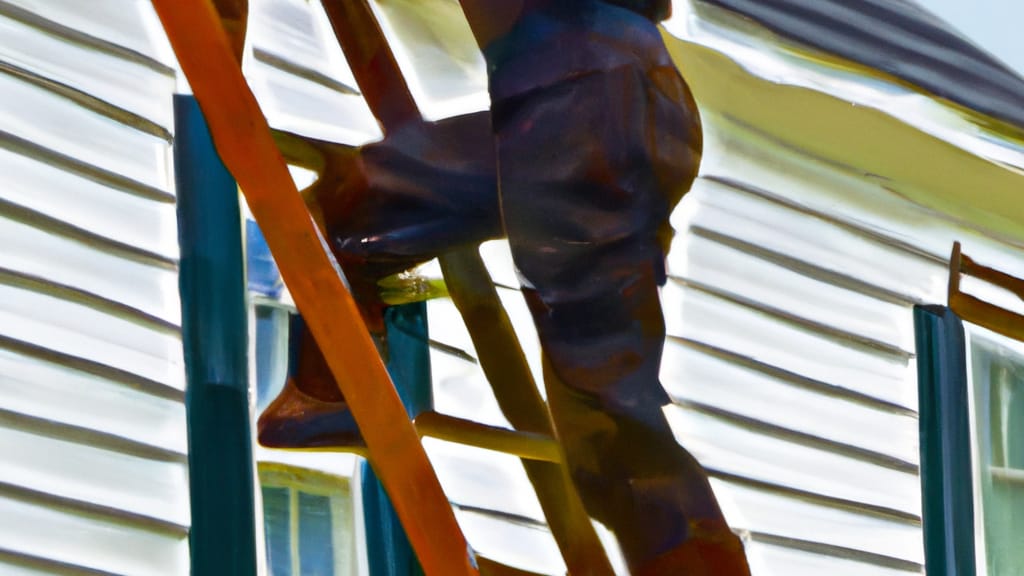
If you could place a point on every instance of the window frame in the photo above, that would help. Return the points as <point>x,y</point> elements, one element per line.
<point>337,488</point>
<point>954,420</point>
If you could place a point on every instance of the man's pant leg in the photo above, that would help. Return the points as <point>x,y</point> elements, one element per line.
<point>426,189</point>
<point>589,170</point>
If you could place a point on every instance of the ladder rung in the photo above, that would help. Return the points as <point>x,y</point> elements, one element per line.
<point>976,310</point>
<point>522,444</point>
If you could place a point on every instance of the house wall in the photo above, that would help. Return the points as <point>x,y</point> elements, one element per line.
<point>790,358</point>
<point>92,422</point>
<point>790,355</point>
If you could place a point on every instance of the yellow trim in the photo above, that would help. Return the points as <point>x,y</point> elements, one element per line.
<point>917,166</point>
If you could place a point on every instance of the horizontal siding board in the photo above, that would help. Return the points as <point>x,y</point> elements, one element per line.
<point>286,65</point>
<point>462,390</point>
<point>438,56</point>
<point>446,325</point>
<point>786,434</point>
<point>38,253</point>
<point>690,375</point>
<point>759,511</point>
<point>777,560</point>
<point>797,319</point>
<point>94,301</point>
<point>477,478</point>
<point>805,268</point>
<point>844,219</point>
<point>82,331</point>
<point>15,564</point>
<point>116,27</point>
<point>124,84</point>
<point>83,540</point>
<point>49,120</point>
<point>734,449</point>
<point>786,231</point>
<point>290,29</point>
<point>831,226</point>
<point>792,378</point>
<point>727,269</point>
<point>525,546</point>
<point>61,161</point>
<point>299,105</point>
<point>89,205</point>
<point>695,315</point>
<point>48,390</point>
<point>77,471</point>
<point>57,226</point>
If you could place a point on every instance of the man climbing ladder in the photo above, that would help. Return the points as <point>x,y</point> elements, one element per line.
<point>592,139</point>
<point>596,138</point>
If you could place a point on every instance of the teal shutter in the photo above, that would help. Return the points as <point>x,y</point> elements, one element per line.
<point>215,336</point>
<point>946,492</point>
<point>387,549</point>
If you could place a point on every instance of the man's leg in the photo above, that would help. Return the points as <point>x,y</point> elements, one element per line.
<point>424,190</point>
<point>586,190</point>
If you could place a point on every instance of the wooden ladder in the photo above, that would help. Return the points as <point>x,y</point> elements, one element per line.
<point>209,54</point>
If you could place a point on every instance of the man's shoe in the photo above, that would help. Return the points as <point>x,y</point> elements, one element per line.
<point>310,412</point>
<point>710,550</point>
<point>295,420</point>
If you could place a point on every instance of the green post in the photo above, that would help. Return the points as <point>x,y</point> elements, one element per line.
<point>215,338</point>
<point>946,488</point>
<point>387,549</point>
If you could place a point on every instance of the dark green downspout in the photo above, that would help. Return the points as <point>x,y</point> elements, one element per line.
<point>946,487</point>
<point>215,337</point>
<point>387,549</point>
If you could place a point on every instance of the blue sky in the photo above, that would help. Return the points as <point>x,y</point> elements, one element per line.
<point>994,25</point>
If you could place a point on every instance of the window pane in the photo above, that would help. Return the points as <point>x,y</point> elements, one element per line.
<point>277,531</point>
<point>271,353</point>
<point>998,383</point>
<point>316,545</point>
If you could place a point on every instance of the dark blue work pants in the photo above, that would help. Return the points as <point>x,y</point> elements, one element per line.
<point>589,170</point>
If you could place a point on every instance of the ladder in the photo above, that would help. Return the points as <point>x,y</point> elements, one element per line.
<point>976,310</point>
<point>208,46</point>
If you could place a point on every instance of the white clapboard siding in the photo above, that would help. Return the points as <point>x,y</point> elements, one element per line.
<point>794,387</point>
<point>92,421</point>
<point>790,356</point>
<point>299,75</point>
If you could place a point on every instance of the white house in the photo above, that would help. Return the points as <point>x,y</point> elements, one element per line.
<point>832,189</point>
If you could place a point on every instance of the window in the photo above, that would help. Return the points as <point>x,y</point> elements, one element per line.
<point>307,512</point>
<point>972,447</point>
<point>307,522</point>
<point>997,389</point>
<point>271,351</point>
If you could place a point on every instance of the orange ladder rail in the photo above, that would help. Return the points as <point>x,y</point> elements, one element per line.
<point>243,141</point>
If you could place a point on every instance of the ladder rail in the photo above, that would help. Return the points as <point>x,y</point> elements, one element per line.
<point>244,143</point>
<point>379,77</point>
<point>976,310</point>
